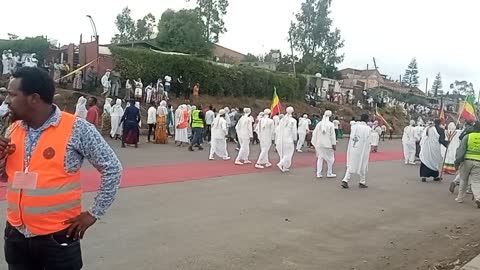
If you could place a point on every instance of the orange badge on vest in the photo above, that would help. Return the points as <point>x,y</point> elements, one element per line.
<point>49,153</point>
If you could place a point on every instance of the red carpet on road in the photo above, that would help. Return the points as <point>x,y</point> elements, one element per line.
<point>180,172</point>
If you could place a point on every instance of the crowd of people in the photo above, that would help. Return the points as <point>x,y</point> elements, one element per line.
<point>453,151</point>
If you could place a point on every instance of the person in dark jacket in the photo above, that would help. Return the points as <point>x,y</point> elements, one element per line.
<point>131,119</point>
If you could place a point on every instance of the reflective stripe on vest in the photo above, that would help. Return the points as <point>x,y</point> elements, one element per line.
<point>196,121</point>
<point>57,196</point>
<point>473,147</point>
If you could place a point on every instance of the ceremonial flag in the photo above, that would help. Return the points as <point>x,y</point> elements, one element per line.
<point>442,115</point>
<point>276,106</point>
<point>381,117</point>
<point>468,111</point>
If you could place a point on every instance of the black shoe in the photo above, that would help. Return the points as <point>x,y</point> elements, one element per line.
<point>136,145</point>
<point>123,146</point>
<point>190,148</point>
<point>344,185</point>
<point>437,179</point>
<point>362,186</point>
<point>424,180</point>
<point>452,187</point>
<point>200,148</point>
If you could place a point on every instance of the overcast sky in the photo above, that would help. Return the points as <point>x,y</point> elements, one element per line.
<point>441,34</point>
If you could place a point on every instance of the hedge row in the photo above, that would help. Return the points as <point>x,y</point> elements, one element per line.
<point>214,79</point>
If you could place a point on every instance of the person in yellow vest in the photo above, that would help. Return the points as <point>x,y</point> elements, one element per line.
<point>40,157</point>
<point>198,123</point>
<point>468,156</point>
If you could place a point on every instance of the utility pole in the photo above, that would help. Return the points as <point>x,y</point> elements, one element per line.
<point>426,87</point>
<point>291,48</point>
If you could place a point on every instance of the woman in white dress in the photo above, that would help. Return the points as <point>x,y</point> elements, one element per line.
<point>116,117</point>
<point>81,110</point>
<point>375,136</point>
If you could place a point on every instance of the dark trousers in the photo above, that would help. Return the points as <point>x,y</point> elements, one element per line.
<point>48,252</point>
<point>151,129</point>
<point>197,136</point>
<point>208,133</point>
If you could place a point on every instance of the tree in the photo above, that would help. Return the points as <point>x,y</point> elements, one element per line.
<point>313,36</point>
<point>250,58</point>
<point>212,13</point>
<point>12,36</point>
<point>273,56</point>
<point>145,27</point>
<point>125,26</point>
<point>411,74</point>
<point>183,31</point>
<point>437,86</point>
<point>462,88</point>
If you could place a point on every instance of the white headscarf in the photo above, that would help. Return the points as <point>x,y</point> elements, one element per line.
<point>137,104</point>
<point>221,112</point>
<point>81,110</point>
<point>117,109</point>
<point>162,109</point>
<point>451,127</point>
<point>107,107</point>
<point>247,111</point>
<point>325,120</point>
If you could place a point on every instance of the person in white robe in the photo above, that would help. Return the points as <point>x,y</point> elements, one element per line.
<point>106,83</point>
<point>285,137</point>
<point>358,152</point>
<point>138,89</point>
<point>81,109</point>
<point>266,130</point>
<point>276,121</point>
<point>181,133</point>
<point>116,118</point>
<point>375,136</point>
<point>303,128</point>
<point>325,143</point>
<point>419,129</point>
<point>453,136</point>
<point>148,92</point>
<point>128,90</point>
<point>244,131</point>
<point>431,151</point>
<point>218,143</point>
<point>408,142</point>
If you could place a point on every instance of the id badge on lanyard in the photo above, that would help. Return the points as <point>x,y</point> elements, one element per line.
<point>25,179</point>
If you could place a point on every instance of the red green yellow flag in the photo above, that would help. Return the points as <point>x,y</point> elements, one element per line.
<point>468,112</point>
<point>276,106</point>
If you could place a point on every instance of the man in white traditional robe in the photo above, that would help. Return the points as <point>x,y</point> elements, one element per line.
<point>244,129</point>
<point>218,142</point>
<point>285,137</point>
<point>324,141</point>
<point>409,143</point>
<point>303,128</point>
<point>375,136</point>
<point>431,151</point>
<point>265,128</point>
<point>358,152</point>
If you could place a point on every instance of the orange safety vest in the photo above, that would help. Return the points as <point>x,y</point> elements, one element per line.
<point>184,124</point>
<point>57,196</point>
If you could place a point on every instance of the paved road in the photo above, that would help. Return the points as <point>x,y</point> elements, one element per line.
<point>266,220</point>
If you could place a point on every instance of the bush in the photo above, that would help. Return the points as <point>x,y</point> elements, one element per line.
<point>38,45</point>
<point>214,79</point>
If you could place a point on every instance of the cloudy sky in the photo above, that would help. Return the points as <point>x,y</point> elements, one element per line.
<point>439,33</point>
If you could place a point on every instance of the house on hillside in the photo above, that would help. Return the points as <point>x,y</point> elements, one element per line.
<point>361,79</point>
<point>225,55</point>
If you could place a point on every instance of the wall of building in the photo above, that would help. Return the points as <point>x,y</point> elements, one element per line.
<point>225,55</point>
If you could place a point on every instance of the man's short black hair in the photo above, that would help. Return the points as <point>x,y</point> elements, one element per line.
<point>94,99</point>
<point>364,117</point>
<point>437,121</point>
<point>36,81</point>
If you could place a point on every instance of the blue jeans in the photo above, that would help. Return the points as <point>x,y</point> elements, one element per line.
<point>197,136</point>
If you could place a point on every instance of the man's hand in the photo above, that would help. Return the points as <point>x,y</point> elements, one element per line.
<point>334,147</point>
<point>4,146</point>
<point>79,225</point>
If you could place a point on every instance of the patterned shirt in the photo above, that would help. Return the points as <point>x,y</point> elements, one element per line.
<point>85,142</point>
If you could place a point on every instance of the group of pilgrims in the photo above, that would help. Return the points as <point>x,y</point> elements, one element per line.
<point>437,151</point>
